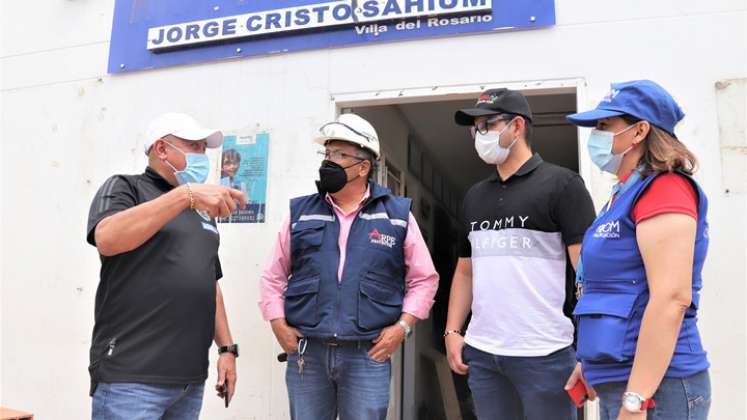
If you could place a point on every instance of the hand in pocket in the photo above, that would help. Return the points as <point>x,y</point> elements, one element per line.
<point>454,349</point>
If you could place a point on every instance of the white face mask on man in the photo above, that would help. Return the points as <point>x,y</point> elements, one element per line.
<point>488,146</point>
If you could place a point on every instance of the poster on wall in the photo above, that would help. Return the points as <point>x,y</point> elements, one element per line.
<point>244,167</point>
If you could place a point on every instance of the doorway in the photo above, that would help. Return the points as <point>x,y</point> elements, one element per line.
<point>427,157</point>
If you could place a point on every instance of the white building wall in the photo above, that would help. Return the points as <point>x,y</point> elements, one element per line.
<point>67,126</point>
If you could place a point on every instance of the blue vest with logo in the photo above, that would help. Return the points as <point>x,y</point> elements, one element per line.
<point>615,294</point>
<point>370,294</point>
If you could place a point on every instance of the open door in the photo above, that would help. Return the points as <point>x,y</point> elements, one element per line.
<point>426,157</point>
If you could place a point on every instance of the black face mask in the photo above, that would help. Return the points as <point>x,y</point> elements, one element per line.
<point>332,177</point>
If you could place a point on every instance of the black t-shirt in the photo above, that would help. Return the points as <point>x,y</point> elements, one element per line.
<point>539,196</point>
<point>155,305</point>
<point>517,232</point>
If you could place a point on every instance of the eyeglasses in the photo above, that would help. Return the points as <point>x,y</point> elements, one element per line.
<point>483,126</point>
<point>327,130</point>
<point>336,155</point>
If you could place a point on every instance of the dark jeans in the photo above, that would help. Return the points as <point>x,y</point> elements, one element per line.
<point>676,399</point>
<point>338,380</point>
<point>520,388</point>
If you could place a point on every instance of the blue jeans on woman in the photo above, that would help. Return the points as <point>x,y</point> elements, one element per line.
<point>519,388</point>
<point>133,401</point>
<point>676,399</point>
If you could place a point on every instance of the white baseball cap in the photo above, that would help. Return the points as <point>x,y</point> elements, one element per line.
<point>182,126</point>
<point>350,128</point>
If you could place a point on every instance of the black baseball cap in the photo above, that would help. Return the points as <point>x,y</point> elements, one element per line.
<point>495,101</point>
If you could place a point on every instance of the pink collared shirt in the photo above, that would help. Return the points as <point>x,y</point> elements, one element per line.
<point>421,277</point>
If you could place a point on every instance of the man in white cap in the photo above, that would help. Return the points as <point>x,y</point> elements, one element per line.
<point>348,278</point>
<point>158,304</point>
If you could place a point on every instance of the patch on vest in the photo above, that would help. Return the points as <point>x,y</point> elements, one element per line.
<point>211,228</point>
<point>205,216</point>
<point>609,230</point>
<point>380,239</point>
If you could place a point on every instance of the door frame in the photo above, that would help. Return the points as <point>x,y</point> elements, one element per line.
<point>403,404</point>
<point>343,100</point>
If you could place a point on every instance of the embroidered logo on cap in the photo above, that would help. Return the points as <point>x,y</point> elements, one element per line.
<point>610,95</point>
<point>487,99</point>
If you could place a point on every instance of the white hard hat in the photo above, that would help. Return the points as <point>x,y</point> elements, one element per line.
<point>182,126</point>
<point>350,128</point>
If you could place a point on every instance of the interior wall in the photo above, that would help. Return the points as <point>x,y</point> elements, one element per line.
<point>554,138</point>
<point>394,130</point>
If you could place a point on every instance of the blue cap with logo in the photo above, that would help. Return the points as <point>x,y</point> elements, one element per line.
<point>642,99</point>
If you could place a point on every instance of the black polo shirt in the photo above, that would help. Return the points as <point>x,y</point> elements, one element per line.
<point>155,305</point>
<point>516,232</point>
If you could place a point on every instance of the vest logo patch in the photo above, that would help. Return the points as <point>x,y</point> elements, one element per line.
<point>211,228</point>
<point>380,239</point>
<point>609,230</point>
<point>205,216</point>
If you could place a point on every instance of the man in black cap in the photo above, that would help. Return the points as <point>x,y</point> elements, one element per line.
<point>520,226</point>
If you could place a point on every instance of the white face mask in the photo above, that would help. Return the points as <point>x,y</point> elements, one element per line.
<point>489,147</point>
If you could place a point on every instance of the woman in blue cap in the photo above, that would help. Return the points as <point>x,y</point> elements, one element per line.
<point>639,278</point>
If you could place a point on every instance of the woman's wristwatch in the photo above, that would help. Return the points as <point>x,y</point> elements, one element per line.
<point>635,403</point>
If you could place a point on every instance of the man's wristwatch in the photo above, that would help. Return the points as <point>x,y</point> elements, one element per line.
<point>635,403</point>
<point>233,348</point>
<point>405,326</point>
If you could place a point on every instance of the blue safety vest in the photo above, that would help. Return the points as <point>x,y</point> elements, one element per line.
<point>615,292</point>
<point>370,294</point>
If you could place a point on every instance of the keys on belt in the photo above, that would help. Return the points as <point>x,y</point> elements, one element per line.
<point>302,344</point>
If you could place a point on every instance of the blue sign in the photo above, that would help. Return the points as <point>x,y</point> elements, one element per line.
<point>159,33</point>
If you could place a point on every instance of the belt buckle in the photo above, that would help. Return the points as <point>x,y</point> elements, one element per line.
<point>332,342</point>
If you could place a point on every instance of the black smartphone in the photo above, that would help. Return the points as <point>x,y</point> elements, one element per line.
<point>224,392</point>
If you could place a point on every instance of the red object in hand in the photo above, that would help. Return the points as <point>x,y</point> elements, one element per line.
<point>578,394</point>
<point>649,403</point>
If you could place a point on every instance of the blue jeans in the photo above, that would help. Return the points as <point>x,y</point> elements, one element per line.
<point>338,380</point>
<point>131,401</point>
<point>519,388</point>
<point>676,399</point>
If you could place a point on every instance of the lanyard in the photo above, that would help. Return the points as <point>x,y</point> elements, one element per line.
<point>618,190</point>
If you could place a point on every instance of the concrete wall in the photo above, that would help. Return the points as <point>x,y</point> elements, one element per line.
<point>67,126</point>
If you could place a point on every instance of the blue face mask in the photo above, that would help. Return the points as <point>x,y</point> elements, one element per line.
<point>196,171</point>
<point>600,150</point>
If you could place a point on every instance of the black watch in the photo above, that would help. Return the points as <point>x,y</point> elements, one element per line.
<point>233,348</point>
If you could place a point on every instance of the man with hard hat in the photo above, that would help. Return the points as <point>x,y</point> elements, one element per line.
<point>158,304</point>
<point>348,277</point>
